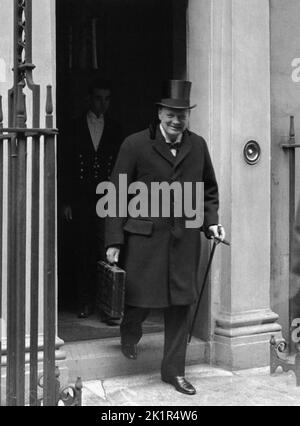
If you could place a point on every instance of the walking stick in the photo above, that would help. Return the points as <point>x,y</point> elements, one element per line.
<point>204,284</point>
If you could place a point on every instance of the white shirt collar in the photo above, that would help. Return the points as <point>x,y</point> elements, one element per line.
<point>167,139</point>
<point>96,128</point>
<point>93,117</point>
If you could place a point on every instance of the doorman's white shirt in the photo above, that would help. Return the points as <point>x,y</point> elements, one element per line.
<point>96,127</point>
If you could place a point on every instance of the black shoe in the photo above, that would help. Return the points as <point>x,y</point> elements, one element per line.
<point>180,384</point>
<point>85,312</point>
<point>130,351</point>
<point>112,322</point>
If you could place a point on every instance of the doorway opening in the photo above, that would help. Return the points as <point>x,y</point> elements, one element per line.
<point>136,45</point>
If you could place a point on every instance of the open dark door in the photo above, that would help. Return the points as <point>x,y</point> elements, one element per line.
<point>136,45</point>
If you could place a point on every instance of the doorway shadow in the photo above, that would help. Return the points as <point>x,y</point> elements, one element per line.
<point>136,45</point>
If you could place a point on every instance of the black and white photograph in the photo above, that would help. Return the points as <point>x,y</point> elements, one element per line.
<point>149,206</point>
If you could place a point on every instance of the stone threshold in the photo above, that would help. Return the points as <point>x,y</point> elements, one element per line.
<point>102,359</point>
<point>215,387</point>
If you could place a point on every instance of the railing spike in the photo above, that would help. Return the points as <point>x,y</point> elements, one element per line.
<point>49,108</point>
<point>292,127</point>
<point>57,372</point>
<point>1,113</point>
<point>78,392</point>
<point>79,384</point>
<point>20,111</point>
<point>21,106</point>
<point>49,101</point>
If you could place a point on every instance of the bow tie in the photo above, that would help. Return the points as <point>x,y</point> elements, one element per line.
<point>174,145</point>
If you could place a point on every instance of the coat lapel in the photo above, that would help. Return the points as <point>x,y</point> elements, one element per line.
<point>160,145</point>
<point>87,132</point>
<point>186,146</point>
<point>103,140</point>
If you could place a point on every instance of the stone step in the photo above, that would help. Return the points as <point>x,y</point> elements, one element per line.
<point>215,387</point>
<point>103,359</point>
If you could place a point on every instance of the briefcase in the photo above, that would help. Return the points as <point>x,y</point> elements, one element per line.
<point>111,290</point>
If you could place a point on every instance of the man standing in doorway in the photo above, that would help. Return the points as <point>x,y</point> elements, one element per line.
<point>91,153</point>
<point>161,255</point>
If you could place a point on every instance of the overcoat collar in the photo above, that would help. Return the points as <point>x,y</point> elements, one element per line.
<point>160,145</point>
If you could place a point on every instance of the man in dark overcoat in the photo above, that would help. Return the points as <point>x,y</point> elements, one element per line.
<point>90,156</point>
<point>161,255</point>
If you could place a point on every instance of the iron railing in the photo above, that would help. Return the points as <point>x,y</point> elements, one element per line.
<point>43,389</point>
<point>283,353</point>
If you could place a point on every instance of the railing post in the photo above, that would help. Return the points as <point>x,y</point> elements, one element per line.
<point>21,246</point>
<point>17,261</point>
<point>292,206</point>
<point>49,258</point>
<point>16,220</point>
<point>35,217</point>
<point>1,239</point>
<point>11,279</point>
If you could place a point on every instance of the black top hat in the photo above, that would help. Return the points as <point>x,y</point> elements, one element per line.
<point>176,94</point>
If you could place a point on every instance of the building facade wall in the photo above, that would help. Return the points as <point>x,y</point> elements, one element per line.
<point>229,64</point>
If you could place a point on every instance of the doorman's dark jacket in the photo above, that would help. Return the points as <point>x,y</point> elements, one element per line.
<point>86,167</point>
<point>161,256</point>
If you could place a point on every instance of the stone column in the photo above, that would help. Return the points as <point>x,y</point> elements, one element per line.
<point>229,64</point>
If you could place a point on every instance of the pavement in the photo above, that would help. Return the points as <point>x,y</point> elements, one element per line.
<point>215,387</point>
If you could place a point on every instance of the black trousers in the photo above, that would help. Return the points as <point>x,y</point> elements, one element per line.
<point>177,322</point>
<point>89,248</point>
